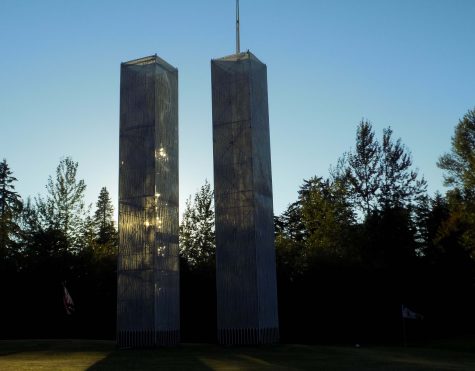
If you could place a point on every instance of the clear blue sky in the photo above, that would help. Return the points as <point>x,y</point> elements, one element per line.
<point>405,63</point>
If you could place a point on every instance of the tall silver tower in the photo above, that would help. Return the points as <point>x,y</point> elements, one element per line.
<point>245,252</point>
<point>148,312</point>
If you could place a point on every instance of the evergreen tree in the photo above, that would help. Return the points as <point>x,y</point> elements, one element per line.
<point>364,170</point>
<point>290,224</point>
<point>63,208</point>
<point>197,236</point>
<point>290,237</point>
<point>400,186</point>
<point>320,224</point>
<point>389,238</point>
<point>29,217</point>
<point>379,175</point>
<point>385,193</point>
<point>30,227</point>
<point>327,216</point>
<point>89,239</point>
<point>10,211</point>
<point>106,234</point>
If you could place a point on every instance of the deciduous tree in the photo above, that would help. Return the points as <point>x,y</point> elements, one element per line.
<point>459,163</point>
<point>197,236</point>
<point>459,167</point>
<point>64,207</point>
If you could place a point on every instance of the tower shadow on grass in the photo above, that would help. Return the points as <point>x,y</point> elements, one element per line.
<point>197,357</point>
<point>168,358</point>
<point>285,357</point>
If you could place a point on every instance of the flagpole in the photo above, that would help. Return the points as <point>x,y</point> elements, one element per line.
<point>404,334</point>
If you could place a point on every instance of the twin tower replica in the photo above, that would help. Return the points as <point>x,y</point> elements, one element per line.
<point>148,266</point>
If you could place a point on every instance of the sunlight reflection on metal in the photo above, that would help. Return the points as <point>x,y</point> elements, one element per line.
<point>245,253</point>
<point>148,263</point>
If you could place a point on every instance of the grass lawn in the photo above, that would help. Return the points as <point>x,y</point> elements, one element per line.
<point>102,355</point>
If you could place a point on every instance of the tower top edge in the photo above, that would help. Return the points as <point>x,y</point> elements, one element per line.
<point>152,59</point>
<point>238,57</point>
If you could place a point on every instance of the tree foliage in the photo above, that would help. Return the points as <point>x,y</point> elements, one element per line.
<point>10,211</point>
<point>290,241</point>
<point>459,164</point>
<point>379,175</point>
<point>64,208</point>
<point>459,167</point>
<point>316,226</point>
<point>363,168</point>
<point>400,185</point>
<point>365,212</point>
<point>104,228</point>
<point>327,215</point>
<point>349,250</point>
<point>197,236</point>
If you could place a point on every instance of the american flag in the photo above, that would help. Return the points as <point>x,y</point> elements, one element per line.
<point>68,301</point>
<point>409,314</point>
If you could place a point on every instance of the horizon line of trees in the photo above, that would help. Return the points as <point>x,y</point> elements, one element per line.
<point>61,211</point>
<point>353,247</point>
<point>55,240</point>
<point>359,243</point>
<point>372,187</point>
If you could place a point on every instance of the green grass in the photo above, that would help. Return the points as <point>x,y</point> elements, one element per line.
<point>102,355</point>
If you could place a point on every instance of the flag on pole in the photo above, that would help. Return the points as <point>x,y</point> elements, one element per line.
<point>67,301</point>
<point>409,314</point>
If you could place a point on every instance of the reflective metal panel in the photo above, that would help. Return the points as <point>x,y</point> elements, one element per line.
<point>245,253</point>
<point>148,264</point>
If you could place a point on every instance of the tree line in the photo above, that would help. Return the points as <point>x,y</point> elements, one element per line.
<point>360,243</point>
<point>50,241</point>
<point>355,246</point>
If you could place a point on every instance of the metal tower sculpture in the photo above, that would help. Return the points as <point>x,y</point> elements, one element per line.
<point>245,252</point>
<point>148,311</point>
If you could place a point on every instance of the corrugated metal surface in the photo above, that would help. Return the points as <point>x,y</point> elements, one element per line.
<point>148,265</point>
<point>245,253</point>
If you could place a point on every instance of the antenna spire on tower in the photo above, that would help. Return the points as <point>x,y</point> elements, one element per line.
<point>238,47</point>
